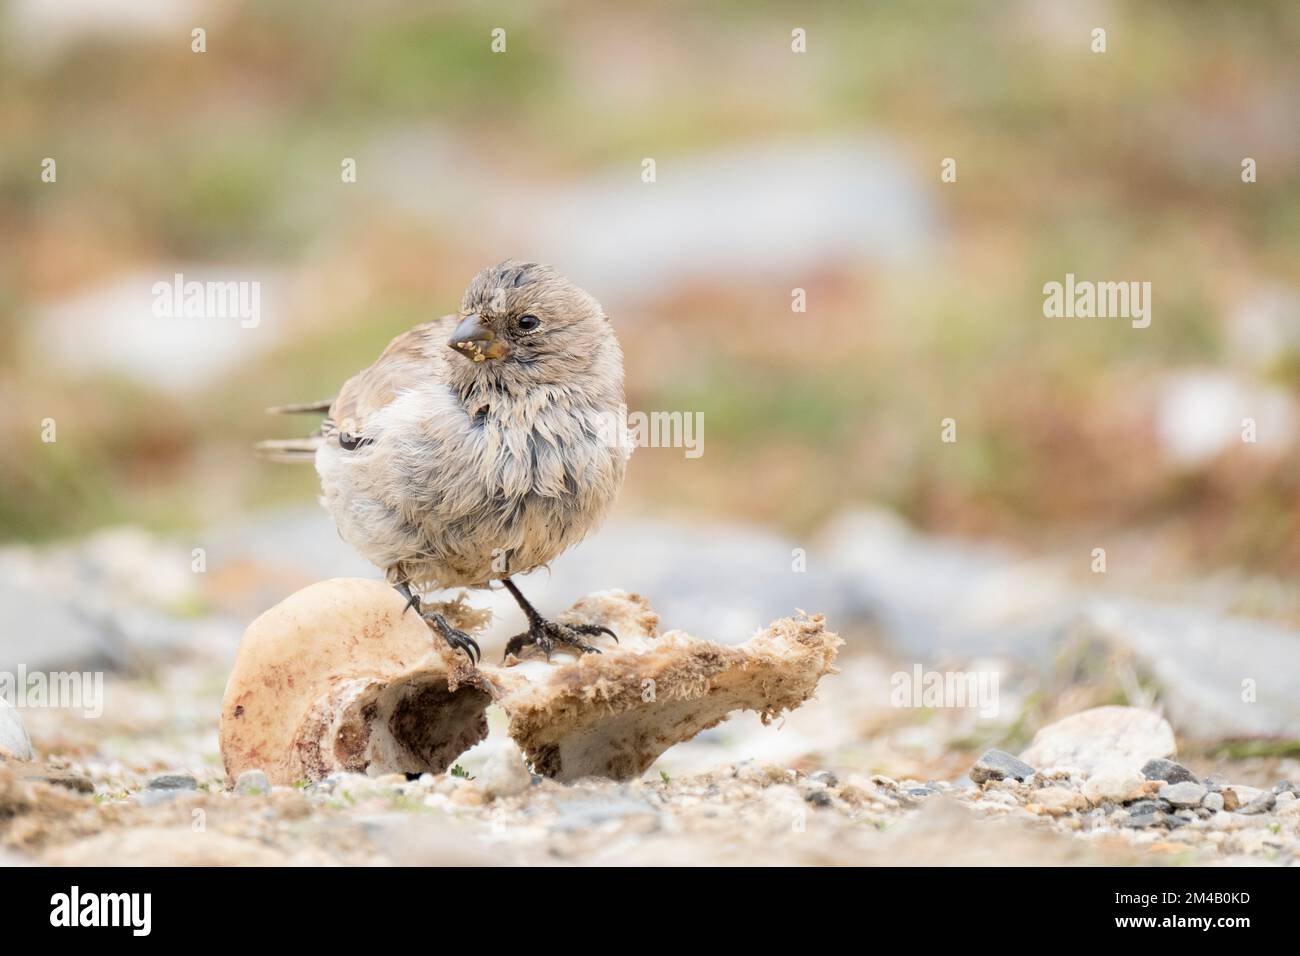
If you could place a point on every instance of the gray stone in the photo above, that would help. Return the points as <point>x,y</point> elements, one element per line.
<point>1168,771</point>
<point>1215,782</point>
<point>819,798</point>
<point>252,782</point>
<point>999,765</point>
<point>44,632</point>
<point>1286,786</point>
<point>173,781</point>
<point>1213,801</point>
<point>1141,820</point>
<point>1149,806</point>
<point>1187,650</point>
<point>1185,794</point>
<point>14,742</point>
<point>1261,804</point>
<point>826,777</point>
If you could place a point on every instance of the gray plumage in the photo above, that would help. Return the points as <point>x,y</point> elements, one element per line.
<point>477,446</point>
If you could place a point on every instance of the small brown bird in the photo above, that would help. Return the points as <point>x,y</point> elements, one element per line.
<point>478,446</point>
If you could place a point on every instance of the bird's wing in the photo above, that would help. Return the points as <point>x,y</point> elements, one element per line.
<point>405,362</point>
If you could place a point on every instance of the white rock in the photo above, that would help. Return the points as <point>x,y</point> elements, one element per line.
<point>1056,800</point>
<point>1103,735</point>
<point>1116,782</point>
<point>504,774</point>
<point>1185,794</point>
<point>14,742</point>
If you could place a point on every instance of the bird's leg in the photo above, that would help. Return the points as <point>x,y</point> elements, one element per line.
<point>546,634</point>
<point>412,599</point>
<point>456,639</point>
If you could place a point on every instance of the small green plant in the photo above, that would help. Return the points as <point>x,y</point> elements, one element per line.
<point>664,777</point>
<point>459,771</point>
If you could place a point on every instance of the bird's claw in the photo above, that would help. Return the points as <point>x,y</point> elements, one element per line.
<point>457,639</point>
<point>546,635</point>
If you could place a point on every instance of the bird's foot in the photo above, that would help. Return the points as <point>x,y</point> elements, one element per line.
<point>546,635</point>
<point>456,639</point>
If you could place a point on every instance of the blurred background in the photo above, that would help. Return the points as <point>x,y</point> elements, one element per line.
<point>775,171</point>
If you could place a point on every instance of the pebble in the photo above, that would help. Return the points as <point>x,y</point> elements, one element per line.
<point>1261,804</point>
<point>1103,735</point>
<point>1004,799</point>
<point>826,778</point>
<point>504,774</point>
<point>999,765</point>
<point>252,782</point>
<point>1140,820</point>
<point>1185,794</point>
<point>1286,786</point>
<point>173,781</point>
<point>1116,783</point>
<point>14,742</point>
<point>1168,771</point>
<point>1236,796</point>
<point>1056,800</point>
<point>1150,806</point>
<point>1213,802</point>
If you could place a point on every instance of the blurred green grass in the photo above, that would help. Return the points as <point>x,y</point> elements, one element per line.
<point>1121,166</point>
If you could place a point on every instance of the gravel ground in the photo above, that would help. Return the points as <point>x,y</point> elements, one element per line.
<point>856,775</point>
<point>840,781</point>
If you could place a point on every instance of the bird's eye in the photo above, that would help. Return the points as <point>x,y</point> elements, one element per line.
<point>529,322</point>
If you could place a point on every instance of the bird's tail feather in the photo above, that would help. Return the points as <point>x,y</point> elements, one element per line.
<point>302,408</point>
<point>295,450</point>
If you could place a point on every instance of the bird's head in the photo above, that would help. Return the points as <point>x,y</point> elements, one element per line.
<point>524,320</point>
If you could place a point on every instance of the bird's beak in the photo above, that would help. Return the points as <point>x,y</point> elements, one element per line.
<point>476,341</point>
